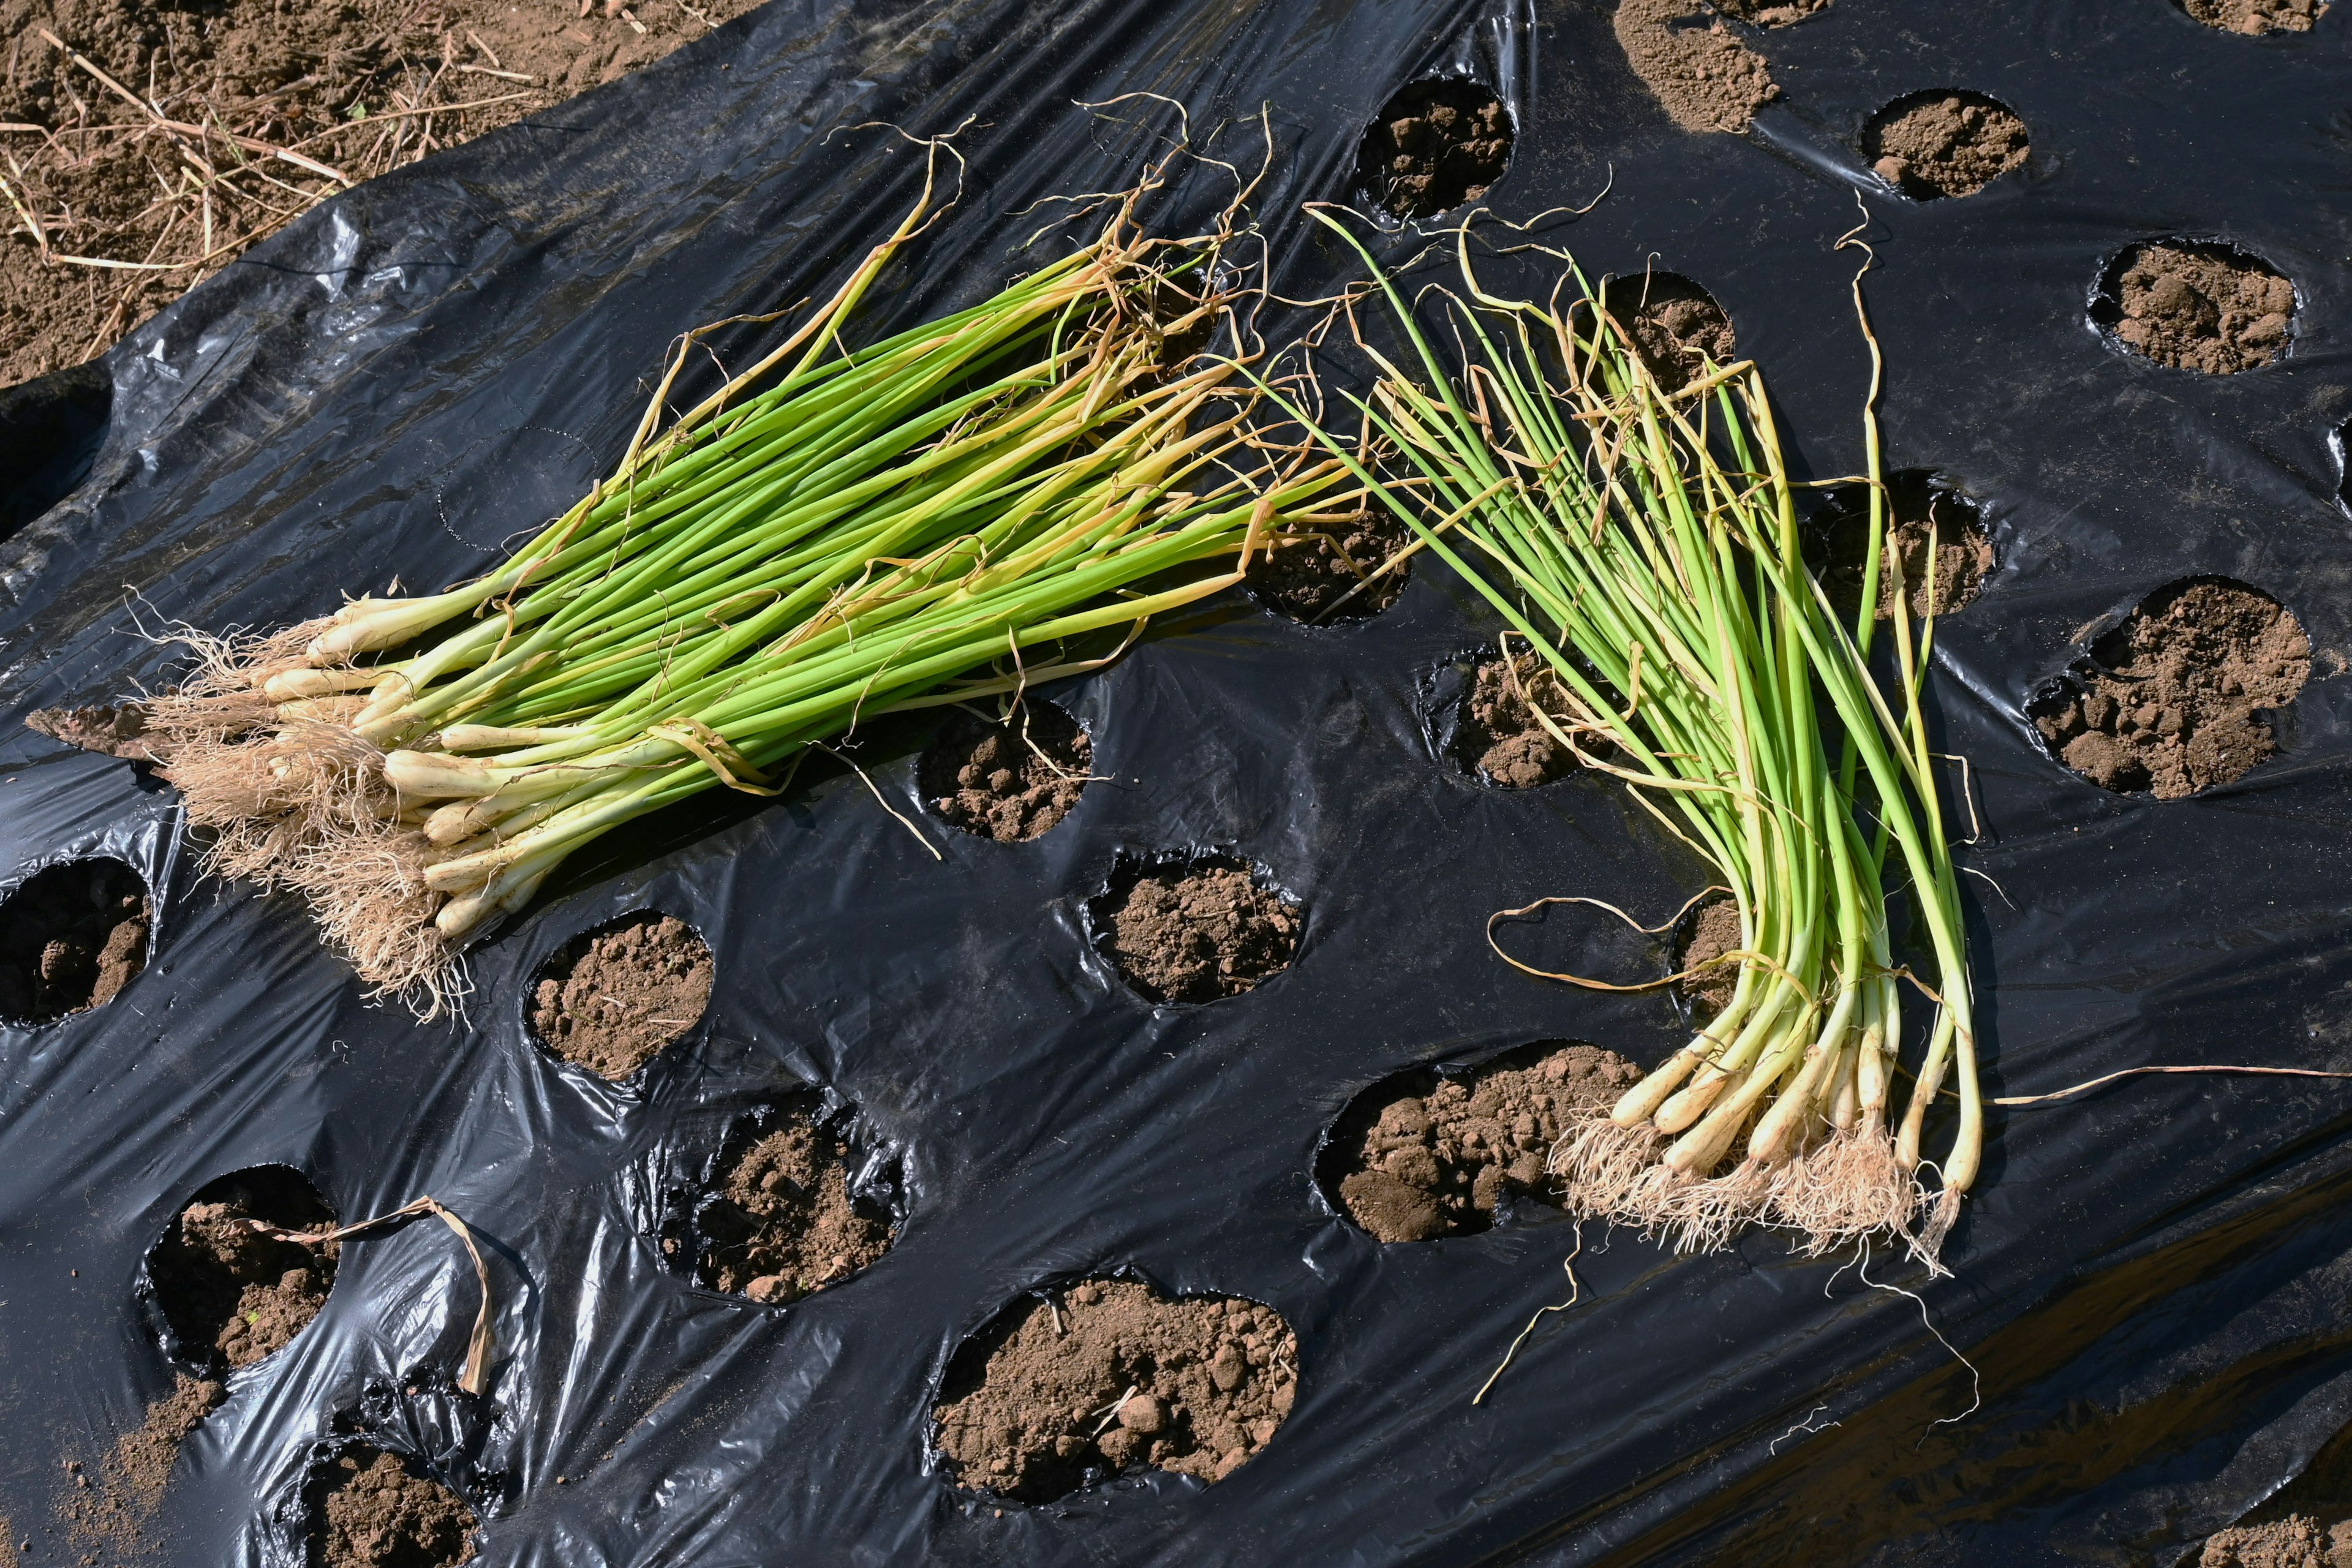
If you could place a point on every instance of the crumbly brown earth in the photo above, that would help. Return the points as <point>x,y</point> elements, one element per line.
<point>1711,931</point>
<point>1110,1375</point>
<point>1498,734</point>
<point>114,730</point>
<point>71,938</point>
<point>1008,782</point>
<point>1944,143</point>
<point>111,1510</point>
<point>2201,307</point>
<point>1436,145</point>
<point>1705,74</point>
<point>1431,1156</point>
<point>1771,13</point>
<point>1677,326</point>
<point>341,85</point>
<point>2297,1541</point>
<point>1197,932</point>
<point>612,998</point>
<point>1307,571</point>
<point>231,1293</point>
<point>369,1509</point>
<point>1918,510</point>
<point>2254,16</point>
<point>784,1222</point>
<point>2179,702</point>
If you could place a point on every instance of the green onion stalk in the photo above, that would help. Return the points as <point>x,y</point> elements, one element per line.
<point>1646,543</point>
<point>962,508</point>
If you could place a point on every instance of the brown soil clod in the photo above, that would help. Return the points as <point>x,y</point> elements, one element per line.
<point>2298,1541</point>
<point>370,1509</point>
<point>113,730</point>
<point>1708,932</point>
<point>1011,782</point>
<point>2194,305</point>
<point>71,937</point>
<point>1324,574</point>
<point>612,998</point>
<point>230,1293</point>
<point>1697,63</point>
<point>1433,146</point>
<point>1944,143</point>
<point>1428,1154</point>
<point>1498,737</point>
<point>1675,325</point>
<point>2177,698</point>
<point>1920,504</point>
<point>1108,1376</point>
<point>2254,17</point>
<point>778,1220</point>
<point>1194,931</point>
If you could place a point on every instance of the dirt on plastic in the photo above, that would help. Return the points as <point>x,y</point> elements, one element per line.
<point>2195,306</point>
<point>370,1509</point>
<point>1196,931</point>
<point>1700,67</point>
<point>1427,1155</point>
<point>1010,781</point>
<point>1935,144</point>
<point>1433,146</point>
<point>1313,575</point>
<point>231,1292</point>
<point>114,730</point>
<point>2177,698</point>
<point>2254,17</point>
<point>1771,13</point>
<point>110,1508</point>
<point>1708,932</point>
<point>781,1220</point>
<point>1110,1376</point>
<point>71,937</point>
<point>2294,1541</point>
<point>612,998</point>
<point>1918,508</point>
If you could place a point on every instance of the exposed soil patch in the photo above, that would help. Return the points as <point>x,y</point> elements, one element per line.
<point>1940,144</point>
<point>2255,16</point>
<point>1919,506</point>
<point>71,937</point>
<point>1110,1375</point>
<point>112,1507</point>
<point>779,1220</point>
<point>1008,782</point>
<point>1699,67</point>
<point>1424,1156</point>
<point>2294,1541</point>
<point>339,85</point>
<point>113,730</point>
<point>2194,306</point>
<point>1435,145</point>
<point>370,1509</point>
<point>1708,932</point>
<point>1677,326</point>
<point>2176,700</point>
<point>1313,575</point>
<point>1194,931</point>
<point>611,998</point>
<point>1499,737</point>
<point>231,1293</point>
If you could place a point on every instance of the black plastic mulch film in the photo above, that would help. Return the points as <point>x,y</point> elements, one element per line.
<point>2149,1282</point>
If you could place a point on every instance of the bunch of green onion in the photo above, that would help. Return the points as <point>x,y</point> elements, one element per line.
<point>832,535</point>
<point>1647,544</point>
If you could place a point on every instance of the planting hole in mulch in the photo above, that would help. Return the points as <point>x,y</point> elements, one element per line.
<point>2253,17</point>
<point>1011,782</point>
<point>789,1208</point>
<point>1944,143</point>
<point>1709,930</point>
<point>1108,1376</point>
<point>230,1294</point>
<point>2196,305</point>
<point>1194,929</point>
<point>370,1509</point>
<point>1427,1154</point>
<point>2177,698</point>
<point>609,999</point>
<point>71,937</point>
<point>1920,504</point>
<point>1701,69</point>
<point>1499,740</point>
<point>1433,146</point>
<point>1330,573</point>
<point>1677,326</point>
